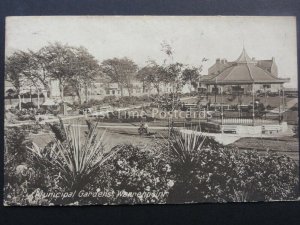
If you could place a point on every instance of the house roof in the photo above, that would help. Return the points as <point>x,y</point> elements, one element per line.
<point>243,71</point>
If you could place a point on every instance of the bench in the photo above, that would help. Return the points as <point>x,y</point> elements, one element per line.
<point>229,129</point>
<point>271,128</point>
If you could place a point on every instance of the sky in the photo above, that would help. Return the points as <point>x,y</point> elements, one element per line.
<point>140,38</point>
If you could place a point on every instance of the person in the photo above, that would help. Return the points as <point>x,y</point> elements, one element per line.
<point>143,127</point>
<point>146,126</point>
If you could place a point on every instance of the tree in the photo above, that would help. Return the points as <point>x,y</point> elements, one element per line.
<point>56,61</point>
<point>83,70</point>
<point>191,76</point>
<point>121,71</point>
<point>14,72</point>
<point>173,76</point>
<point>151,75</point>
<point>32,73</point>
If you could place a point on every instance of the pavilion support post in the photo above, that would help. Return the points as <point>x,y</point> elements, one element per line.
<point>222,110</point>
<point>283,99</point>
<point>279,109</point>
<point>215,87</point>
<point>207,86</point>
<point>253,106</point>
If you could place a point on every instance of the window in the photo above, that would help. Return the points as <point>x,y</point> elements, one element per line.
<point>107,92</point>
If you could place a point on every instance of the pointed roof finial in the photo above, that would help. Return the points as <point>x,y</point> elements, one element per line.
<point>244,58</point>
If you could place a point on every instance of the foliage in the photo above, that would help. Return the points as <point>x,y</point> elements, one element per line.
<point>152,75</point>
<point>58,130</point>
<point>137,175</point>
<point>173,76</point>
<point>219,175</point>
<point>76,160</point>
<point>15,143</point>
<point>121,71</point>
<point>19,177</point>
<point>28,105</point>
<point>85,69</point>
<point>191,76</point>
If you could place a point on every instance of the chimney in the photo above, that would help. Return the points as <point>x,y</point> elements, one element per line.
<point>253,58</point>
<point>218,60</point>
<point>273,59</point>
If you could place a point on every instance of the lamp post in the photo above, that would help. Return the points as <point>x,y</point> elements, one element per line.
<point>253,106</point>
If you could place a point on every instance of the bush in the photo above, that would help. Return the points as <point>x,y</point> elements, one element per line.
<point>20,178</point>
<point>207,174</point>
<point>185,168</point>
<point>137,176</point>
<point>15,144</point>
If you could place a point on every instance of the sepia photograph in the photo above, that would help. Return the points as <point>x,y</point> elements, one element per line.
<point>110,110</point>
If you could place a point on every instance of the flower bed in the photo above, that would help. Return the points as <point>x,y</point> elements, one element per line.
<point>184,168</point>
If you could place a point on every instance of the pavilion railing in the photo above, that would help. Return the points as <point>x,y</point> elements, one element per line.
<point>243,121</point>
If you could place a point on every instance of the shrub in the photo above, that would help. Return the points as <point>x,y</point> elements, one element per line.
<point>58,130</point>
<point>137,176</point>
<point>15,143</point>
<point>20,174</point>
<point>204,173</point>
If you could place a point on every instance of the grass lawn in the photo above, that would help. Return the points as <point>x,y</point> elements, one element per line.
<point>113,137</point>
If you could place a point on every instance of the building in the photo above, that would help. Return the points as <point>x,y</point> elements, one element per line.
<point>242,73</point>
<point>104,88</point>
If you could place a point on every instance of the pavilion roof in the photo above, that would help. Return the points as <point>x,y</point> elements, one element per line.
<point>243,71</point>
<point>244,58</point>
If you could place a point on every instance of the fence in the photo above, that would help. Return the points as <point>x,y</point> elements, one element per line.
<point>244,121</point>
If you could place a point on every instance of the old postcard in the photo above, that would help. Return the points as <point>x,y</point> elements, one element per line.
<point>106,110</point>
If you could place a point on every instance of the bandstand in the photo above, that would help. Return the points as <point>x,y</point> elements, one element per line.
<point>245,77</point>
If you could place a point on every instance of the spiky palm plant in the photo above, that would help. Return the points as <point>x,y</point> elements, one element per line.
<point>184,146</point>
<point>78,158</point>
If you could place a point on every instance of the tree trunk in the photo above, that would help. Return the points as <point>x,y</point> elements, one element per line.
<point>144,86</point>
<point>20,101</point>
<point>129,91</point>
<point>38,98</point>
<point>86,93</point>
<point>61,90</point>
<point>79,96</point>
<point>121,88</point>
<point>30,95</point>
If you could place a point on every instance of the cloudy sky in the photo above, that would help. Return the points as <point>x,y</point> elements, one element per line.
<point>140,38</point>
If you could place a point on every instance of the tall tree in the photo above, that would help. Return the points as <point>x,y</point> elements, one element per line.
<point>55,61</point>
<point>173,76</point>
<point>83,70</point>
<point>32,73</point>
<point>15,66</point>
<point>191,77</point>
<point>121,71</point>
<point>152,76</point>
